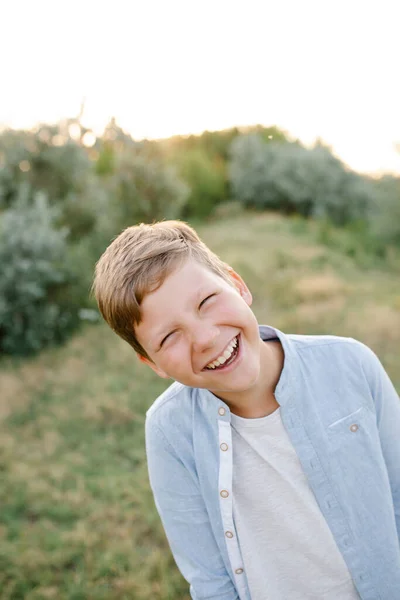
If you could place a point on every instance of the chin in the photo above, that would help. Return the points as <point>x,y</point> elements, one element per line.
<point>251,382</point>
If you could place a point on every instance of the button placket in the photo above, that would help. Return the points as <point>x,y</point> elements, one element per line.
<point>225,500</point>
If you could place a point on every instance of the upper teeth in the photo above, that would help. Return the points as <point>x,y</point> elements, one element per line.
<point>225,356</point>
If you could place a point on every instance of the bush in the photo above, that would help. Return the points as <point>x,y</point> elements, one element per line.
<point>80,212</point>
<point>48,161</point>
<point>384,214</point>
<point>144,188</point>
<point>248,173</point>
<point>35,306</point>
<point>207,181</point>
<point>292,179</point>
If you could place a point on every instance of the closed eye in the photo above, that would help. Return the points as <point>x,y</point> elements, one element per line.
<point>165,338</point>
<point>205,300</point>
<point>172,332</point>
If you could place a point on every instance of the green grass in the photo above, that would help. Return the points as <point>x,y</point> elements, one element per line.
<point>77,520</point>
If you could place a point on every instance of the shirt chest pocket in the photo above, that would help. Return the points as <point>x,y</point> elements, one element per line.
<point>356,455</point>
<point>355,433</point>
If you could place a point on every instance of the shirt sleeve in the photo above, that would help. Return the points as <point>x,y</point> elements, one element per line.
<point>185,519</point>
<point>387,405</point>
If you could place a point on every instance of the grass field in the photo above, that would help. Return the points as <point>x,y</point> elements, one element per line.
<point>77,519</point>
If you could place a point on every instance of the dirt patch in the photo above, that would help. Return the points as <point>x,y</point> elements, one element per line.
<point>14,394</point>
<point>316,311</point>
<point>307,253</point>
<point>319,286</point>
<point>376,323</point>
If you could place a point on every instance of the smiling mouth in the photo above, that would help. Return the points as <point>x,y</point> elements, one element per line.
<point>229,361</point>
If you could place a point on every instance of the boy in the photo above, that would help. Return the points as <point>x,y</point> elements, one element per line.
<point>274,459</point>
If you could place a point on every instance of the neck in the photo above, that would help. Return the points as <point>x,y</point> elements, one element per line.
<point>260,401</point>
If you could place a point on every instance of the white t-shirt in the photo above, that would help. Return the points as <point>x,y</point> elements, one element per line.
<point>288,550</point>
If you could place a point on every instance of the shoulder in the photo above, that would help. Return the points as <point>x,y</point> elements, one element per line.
<point>332,352</point>
<point>171,406</point>
<point>171,422</point>
<point>329,344</point>
<point>337,369</point>
<point>170,397</point>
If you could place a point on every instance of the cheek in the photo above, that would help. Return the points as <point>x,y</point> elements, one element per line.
<point>234,312</point>
<point>175,358</point>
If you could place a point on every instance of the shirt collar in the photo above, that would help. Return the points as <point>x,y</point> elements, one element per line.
<point>289,374</point>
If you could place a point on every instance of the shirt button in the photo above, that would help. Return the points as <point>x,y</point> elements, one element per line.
<point>224,493</point>
<point>353,427</point>
<point>229,534</point>
<point>238,571</point>
<point>221,411</point>
<point>224,447</point>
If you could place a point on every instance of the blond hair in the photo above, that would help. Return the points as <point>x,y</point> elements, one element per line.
<point>137,263</point>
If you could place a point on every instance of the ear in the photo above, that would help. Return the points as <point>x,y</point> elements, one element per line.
<point>152,366</point>
<point>241,286</point>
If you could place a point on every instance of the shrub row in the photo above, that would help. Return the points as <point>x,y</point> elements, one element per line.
<point>314,183</point>
<point>63,199</point>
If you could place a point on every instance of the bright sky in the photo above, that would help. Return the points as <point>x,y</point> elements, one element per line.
<point>316,68</point>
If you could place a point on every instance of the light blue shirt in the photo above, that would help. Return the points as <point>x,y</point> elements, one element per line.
<point>342,415</point>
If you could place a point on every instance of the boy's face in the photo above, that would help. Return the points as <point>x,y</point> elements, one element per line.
<point>192,320</point>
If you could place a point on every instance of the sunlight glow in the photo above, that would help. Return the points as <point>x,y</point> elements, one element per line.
<point>24,166</point>
<point>177,68</point>
<point>75,131</point>
<point>89,139</point>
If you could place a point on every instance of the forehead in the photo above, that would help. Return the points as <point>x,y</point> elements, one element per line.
<point>182,284</point>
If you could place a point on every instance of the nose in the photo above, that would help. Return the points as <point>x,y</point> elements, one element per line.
<point>204,337</point>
